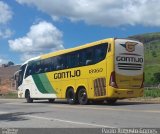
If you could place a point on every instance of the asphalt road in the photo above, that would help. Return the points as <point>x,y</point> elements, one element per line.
<point>16,113</point>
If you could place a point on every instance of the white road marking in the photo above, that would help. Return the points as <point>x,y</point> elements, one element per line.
<point>105,108</point>
<point>61,120</point>
<point>87,107</point>
<point>68,121</point>
<point>20,104</point>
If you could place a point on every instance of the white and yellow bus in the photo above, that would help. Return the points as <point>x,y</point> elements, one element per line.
<point>108,69</point>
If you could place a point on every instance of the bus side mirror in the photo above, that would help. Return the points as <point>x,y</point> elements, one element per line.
<point>89,62</point>
<point>14,77</point>
<point>16,74</point>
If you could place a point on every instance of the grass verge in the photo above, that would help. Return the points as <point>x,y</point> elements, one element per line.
<point>152,92</point>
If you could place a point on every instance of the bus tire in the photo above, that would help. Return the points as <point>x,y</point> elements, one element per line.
<point>111,101</point>
<point>28,98</point>
<point>82,96</point>
<point>51,100</point>
<point>71,97</point>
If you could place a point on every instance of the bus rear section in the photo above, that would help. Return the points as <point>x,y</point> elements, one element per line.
<point>128,76</point>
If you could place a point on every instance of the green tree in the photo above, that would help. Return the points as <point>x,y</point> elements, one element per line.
<point>10,63</point>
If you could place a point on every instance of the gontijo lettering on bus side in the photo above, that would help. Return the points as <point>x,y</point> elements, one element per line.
<point>129,59</point>
<point>67,74</point>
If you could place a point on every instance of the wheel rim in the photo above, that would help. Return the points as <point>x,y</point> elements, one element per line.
<point>82,97</point>
<point>28,96</point>
<point>70,96</point>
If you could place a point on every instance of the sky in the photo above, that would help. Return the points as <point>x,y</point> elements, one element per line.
<point>29,28</point>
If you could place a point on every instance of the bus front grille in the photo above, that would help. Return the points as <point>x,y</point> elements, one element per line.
<point>100,87</point>
<point>129,66</point>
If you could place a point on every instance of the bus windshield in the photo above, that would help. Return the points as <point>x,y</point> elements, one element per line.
<point>21,74</point>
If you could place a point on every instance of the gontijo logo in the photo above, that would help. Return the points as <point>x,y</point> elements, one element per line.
<point>130,46</point>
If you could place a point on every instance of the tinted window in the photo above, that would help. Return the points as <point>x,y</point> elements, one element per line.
<point>83,57</point>
<point>100,52</point>
<point>94,54</point>
<point>21,74</point>
<point>48,65</point>
<point>88,56</point>
<point>59,62</point>
<point>73,59</point>
<point>30,69</point>
<point>38,67</point>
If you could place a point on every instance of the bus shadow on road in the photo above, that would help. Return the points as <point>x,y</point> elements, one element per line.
<point>59,101</point>
<point>17,116</point>
<point>129,103</point>
<point>123,103</point>
<point>118,103</point>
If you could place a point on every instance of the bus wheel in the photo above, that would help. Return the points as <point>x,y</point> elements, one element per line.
<point>82,96</point>
<point>28,98</point>
<point>51,100</point>
<point>71,97</point>
<point>111,101</point>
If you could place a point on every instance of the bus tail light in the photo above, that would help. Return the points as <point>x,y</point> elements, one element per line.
<point>142,85</point>
<point>113,80</point>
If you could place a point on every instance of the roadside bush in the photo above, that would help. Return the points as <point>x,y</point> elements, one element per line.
<point>152,92</point>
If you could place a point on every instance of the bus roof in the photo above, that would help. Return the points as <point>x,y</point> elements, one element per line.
<point>74,48</point>
<point>34,58</point>
<point>48,55</point>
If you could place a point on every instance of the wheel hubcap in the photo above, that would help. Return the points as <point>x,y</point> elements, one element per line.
<point>83,97</point>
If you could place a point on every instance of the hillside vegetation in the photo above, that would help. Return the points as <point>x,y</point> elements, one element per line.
<point>152,57</point>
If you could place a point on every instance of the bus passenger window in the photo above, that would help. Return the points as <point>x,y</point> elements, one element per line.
<point>52,64</point>
<point>89,62</point>
<point>38,67</point>
<point>47,65</point>
<point>30,70</point>
<point>99,55</point>
<point>72,60</point>
<point>63,61</point>
<point>46,69</point>
<point>100,52</point>
<point>89,56</point>
<point>60,62</point>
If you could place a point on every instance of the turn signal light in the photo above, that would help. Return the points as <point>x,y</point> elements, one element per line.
<point>113,80</point>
